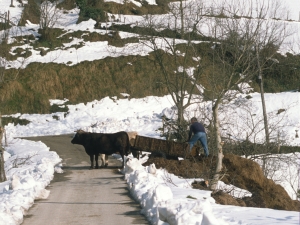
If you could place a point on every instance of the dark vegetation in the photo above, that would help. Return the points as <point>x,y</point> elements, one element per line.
<point>248,148</point>
<point>96,9</point>
<point>166,33</point>
<point>59,37</point>
<point>284,75</point>
<point>14,120</point>
<point>31,12</point>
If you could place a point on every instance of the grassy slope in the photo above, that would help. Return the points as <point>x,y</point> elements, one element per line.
<point>84,82</point>
<point>80,83</point>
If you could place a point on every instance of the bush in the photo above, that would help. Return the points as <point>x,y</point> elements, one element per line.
<point>95,14</point>
<point>15,121</point>
<point>88,11</point>
<point>59,108</point>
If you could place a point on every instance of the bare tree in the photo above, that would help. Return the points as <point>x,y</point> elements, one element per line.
<point>175,53</point>
<point>243,128</point>
<point>49,15</point>
<point>242,32</point>
<point>283,169</point>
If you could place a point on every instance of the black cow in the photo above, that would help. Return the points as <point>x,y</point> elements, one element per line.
<point>102,143</point>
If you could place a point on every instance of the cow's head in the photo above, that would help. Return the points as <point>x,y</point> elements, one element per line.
<point>77,139</point>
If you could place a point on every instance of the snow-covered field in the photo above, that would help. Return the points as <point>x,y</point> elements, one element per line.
<point>90,51</point>
<point>30,166</point>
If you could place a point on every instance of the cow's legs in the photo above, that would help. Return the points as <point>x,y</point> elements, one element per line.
<point>135,153</point>
<point>96,161</point>
<point>122,155</point>
<point>106,161</point>
<point>102,160</point>
<point>92,161</point>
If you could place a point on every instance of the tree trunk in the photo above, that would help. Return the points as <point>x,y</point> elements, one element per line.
<point>264,110</point>
<point>180,113</point>
<point>220,155</point>
<point>180,122</point>
<point>2,171</point>
<point>182,20</point>
<point>262,94</point>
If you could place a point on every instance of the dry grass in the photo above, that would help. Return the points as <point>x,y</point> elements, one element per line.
<point>67,4</point>
<point>86,81</point>
<point>38,83</point>
<point>31,13</point>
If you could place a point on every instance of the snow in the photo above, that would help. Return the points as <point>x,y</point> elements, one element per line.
<point>90,51</point>
<point>30,166</point>
<point>29,169</point>
<point>150,2</point>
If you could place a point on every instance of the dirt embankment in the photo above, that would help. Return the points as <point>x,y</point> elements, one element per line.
<point>238,171</point>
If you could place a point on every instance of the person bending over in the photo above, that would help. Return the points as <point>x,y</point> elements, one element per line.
<point>198,130</point>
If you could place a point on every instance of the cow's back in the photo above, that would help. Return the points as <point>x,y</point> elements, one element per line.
<point>115,142</point>
<point>104,143</point>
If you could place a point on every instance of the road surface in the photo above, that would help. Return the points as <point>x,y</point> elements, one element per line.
<point>83,196</point>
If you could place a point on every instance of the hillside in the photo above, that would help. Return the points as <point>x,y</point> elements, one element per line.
<point>59,62</point>
<point>241,173</point>
<point>149,66</point>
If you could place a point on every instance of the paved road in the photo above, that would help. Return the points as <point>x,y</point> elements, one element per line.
<point>83,196</point>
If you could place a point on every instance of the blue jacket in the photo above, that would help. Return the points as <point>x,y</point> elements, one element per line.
<point>195,128</point>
